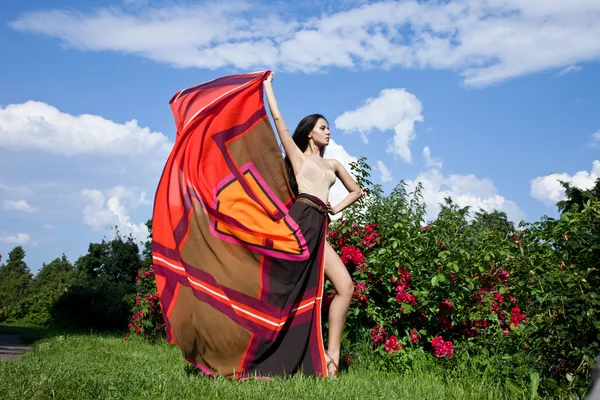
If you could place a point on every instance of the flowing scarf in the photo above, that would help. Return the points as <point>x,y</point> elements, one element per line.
<point>238,263</point>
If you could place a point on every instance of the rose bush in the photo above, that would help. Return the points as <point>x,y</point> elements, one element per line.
<point>473,282</point>
<point>146,319</point>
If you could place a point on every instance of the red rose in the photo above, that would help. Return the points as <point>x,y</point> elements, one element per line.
<point>377,334</point>
<point>414,337</point>
<point>437,341</point>
<point>349,359</point>
<point>391,345</point>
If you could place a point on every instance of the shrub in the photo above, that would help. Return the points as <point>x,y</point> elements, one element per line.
<point>103,304</point>
<point>463,282</point>
<point>146,317</point>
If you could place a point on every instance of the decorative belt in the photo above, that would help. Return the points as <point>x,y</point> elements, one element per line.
<point>313,204</point>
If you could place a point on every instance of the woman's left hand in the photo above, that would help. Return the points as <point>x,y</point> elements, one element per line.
<point>330,209</point>
<point>269,79</point>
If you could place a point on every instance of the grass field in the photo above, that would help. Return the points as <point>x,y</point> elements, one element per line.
<point>92,366</point>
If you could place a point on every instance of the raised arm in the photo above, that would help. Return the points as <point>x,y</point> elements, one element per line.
<point>291,150</point>
<point>350,185</point>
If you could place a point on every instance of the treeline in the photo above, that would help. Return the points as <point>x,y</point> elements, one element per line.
<point>97,291</point>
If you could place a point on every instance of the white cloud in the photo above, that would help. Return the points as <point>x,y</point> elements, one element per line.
<point>35,125</point>
<point>103,213</point>
<point>126,158</point>
<point>596,138</point>
<point>464,190</point>
<point>133,196</point>
<point>394,109</point>
<point>16,190</point>
<point>431,161</point>
<point>487,41</point>
<point>18,205</point>
<point>19,238</point>
<point>386,174</point>
<point>549,191</point>
<point>571,68</point>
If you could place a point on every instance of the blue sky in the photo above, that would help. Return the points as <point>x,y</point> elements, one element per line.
<point>489,102</point>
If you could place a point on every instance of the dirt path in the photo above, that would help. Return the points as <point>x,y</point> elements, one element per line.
<point>11,347</point>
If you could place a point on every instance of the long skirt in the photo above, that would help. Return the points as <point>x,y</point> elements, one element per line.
<point>238,262</point>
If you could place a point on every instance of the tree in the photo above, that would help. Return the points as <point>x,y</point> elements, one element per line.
<point>90,265</point>
<point>102,299</point>
<point>147,251</point>
<point>58,275</point>
<point>576,197</point>
<point>15,278</point>
<point>123,260</point>
<point>117,260</point>
<point>496,221</point>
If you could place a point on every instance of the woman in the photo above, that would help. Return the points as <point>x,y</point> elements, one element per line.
<point>309,173</point>
<point>239,259</point>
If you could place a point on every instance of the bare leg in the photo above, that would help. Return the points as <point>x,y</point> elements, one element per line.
<point>336,272</point>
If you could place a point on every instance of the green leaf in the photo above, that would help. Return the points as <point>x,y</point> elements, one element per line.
<point>434,281</point>
<point>513,386</point>
<point>534,382</point>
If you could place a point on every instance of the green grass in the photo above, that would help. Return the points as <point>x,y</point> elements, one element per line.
<point>93,366</point>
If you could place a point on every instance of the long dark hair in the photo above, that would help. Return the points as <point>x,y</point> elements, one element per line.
<point>300,137</point>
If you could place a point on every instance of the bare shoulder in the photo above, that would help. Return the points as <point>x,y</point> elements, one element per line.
<point>336,165</point>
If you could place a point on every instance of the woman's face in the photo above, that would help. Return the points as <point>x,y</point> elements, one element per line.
<point>320,133</point>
